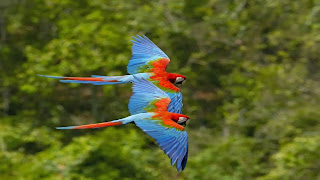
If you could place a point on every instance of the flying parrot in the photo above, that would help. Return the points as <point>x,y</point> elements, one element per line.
<point>153,118</point>
<point>148,61</point>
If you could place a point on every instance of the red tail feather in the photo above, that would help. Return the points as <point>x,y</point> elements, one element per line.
<point>98,125</point>
<point>88,79</point>
<point>82,78</point>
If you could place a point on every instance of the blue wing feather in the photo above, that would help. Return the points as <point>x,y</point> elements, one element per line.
<point>185,159</point>
<point>178,152</point>
<point>172,141</point>
<point>182,160</point>
<point>143,51</point>
<point>175,105</point>
<point>143,45</point>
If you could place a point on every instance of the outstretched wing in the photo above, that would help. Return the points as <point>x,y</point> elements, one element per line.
<point>171,137</point>
<point>147,97</point>
<point>146,56</point>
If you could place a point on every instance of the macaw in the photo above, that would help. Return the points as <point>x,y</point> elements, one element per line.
<point>165,127</point>
<point>148,61</point>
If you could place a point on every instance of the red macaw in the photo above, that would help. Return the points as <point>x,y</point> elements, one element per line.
<point>154,119</point>
<point>148,61</point>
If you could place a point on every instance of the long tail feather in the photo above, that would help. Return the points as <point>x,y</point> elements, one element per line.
<point>91,82</point>
<point>95,79</point>
<point>55,77</point>
<point>90,126</point>
<point>118,122</point>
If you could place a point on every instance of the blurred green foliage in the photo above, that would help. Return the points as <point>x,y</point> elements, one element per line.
<point>253,90</point>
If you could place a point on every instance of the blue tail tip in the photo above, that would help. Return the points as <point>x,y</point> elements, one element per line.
<point>55,77</point>
<point>69,127</point>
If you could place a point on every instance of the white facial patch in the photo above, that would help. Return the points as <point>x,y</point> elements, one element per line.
<point>182,119</point>
<point>179,79</point>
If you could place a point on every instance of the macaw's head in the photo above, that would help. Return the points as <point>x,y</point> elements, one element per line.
<point>176,79</point>
<point>181,119</point>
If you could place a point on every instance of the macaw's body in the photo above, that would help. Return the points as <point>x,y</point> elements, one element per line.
<point>148,61</point>
<point>149,104</point>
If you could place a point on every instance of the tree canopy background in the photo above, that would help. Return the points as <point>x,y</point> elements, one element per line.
<point>253,90</point>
